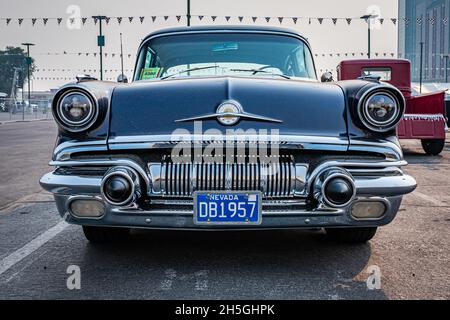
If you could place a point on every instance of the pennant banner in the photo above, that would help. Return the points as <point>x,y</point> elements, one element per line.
<point>129,55</point>
<point>34,21</point>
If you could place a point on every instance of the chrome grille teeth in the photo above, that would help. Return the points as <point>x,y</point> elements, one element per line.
<point>274,179</point>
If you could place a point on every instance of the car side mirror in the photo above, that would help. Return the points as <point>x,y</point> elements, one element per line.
<point>122,78</point>
<point>327,77</point>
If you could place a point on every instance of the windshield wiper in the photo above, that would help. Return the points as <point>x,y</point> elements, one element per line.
<point>189,70</point>
<point>255,71</point>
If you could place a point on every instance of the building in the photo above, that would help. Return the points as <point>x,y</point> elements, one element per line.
<point>425,23</point>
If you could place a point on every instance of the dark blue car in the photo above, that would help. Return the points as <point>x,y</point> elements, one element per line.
<point>228,128</point>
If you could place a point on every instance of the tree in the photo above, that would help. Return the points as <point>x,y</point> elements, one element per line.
<point>10,58</point>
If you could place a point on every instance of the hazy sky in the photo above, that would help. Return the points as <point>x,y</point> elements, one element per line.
<point>325,38</point>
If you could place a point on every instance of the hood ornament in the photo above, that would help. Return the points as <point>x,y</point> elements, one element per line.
<point>229,113</point>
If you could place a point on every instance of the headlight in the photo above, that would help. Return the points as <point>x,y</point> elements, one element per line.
<point>76,110</point>
<point>380,110</point>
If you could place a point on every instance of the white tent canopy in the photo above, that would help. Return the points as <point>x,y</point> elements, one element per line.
<point>429,87</point>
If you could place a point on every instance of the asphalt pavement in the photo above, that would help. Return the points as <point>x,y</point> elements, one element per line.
<point>37,249</point>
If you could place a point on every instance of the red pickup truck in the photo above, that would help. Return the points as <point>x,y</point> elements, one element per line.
<point>425,116</point>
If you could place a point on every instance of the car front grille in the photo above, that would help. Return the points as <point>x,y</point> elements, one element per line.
<point>273,179</point>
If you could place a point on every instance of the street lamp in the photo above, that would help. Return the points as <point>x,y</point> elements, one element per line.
<point>100,42</point>
<point>367,18</point>
<point>188,14</point>
<point>446,67</point>
<point>28,45</point>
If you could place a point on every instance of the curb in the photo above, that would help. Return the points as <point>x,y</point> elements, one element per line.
<point>31,120</point>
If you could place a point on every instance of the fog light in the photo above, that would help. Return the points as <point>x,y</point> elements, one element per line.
<point>86,208</point>
<point>368,210</point>
<point>339,191</point>
<point>119,186</point>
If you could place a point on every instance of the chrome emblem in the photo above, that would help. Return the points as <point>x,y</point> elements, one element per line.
<point>228,112</point>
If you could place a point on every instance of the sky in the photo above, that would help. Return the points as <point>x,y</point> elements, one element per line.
<point>325,38</point>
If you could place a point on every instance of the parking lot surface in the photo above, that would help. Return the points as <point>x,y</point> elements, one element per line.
<point>36,248</point>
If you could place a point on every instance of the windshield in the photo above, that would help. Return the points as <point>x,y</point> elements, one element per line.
<point>229,54</point>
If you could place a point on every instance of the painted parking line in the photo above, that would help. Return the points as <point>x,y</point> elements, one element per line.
<point>20,254</point>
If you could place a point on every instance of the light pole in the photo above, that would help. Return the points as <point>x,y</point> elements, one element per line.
<point>121,54</point>
<point>421,67</point>
<point>367,18</point>
<point>421,56</point>
<point>188,15</point>
<point>446,67</point>
<point>100,42</point>
<point>28,45</point>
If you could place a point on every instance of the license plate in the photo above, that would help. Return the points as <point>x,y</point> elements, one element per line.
<point>227,207</point>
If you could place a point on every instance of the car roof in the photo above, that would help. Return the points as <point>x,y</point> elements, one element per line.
<point>225,28</point>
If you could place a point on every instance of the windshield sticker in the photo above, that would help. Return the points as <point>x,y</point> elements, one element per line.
<point>227,46</point>
<point>150,73</point>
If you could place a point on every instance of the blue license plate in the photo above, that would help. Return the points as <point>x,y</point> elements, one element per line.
<point>227,207</point>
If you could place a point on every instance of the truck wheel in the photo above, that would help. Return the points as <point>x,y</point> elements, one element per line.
<point>433,146</point>
<point>351,235</point>
<point>105,234</point>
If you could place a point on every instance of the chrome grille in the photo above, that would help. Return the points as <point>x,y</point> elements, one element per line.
<point>274,179</point>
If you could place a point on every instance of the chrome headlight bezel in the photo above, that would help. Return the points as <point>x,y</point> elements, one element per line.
<point>381,126</point>
<point>75,126</point>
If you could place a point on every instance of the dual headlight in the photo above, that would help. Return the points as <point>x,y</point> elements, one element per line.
<point>75,110</point>
<point>380,110</point>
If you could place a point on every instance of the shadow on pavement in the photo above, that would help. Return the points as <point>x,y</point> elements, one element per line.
<point>249,265</point>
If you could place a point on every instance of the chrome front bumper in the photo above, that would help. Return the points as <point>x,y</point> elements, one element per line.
<point>374,181</point>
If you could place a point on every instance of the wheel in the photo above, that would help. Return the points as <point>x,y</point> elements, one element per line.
<point>433,146</point>
<point>351,235</point>
<point>105,234</point>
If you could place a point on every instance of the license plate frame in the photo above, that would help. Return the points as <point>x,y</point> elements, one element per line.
<point>240,221</point>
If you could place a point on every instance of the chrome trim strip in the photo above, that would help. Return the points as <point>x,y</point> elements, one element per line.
<point>424,116</point>
<point>367,186</point>
<point>247,138</point>
<point>345,164</point>
<point>385,186</point>
<point>69,185</point>
<point>104,162</point>
<point>299,171</point>
<point>64,150</point>
<point>240,115</point>
<point>261,173</point>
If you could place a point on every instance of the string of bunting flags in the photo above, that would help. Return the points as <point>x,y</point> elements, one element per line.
<point>317,55</point>
<point>129,55</point>
<point>86,54</point>
<point>214,18</point>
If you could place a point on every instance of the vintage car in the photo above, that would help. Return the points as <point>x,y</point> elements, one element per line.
<point>227,128</point>
<point>425,114</point>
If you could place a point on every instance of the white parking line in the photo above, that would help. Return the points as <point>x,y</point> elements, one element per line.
<point>20,254</point>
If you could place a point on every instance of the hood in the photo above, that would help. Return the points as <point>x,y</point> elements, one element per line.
<point>303,108</point>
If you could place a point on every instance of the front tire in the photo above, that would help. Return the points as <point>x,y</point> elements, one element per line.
<point>351,235</point>
<point>433,146</point>
<point>105,234</point>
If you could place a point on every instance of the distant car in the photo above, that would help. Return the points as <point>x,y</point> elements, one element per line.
<point>227,128</point>
<point>425,116</point>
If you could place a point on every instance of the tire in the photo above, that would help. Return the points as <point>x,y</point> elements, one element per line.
<point>105,234</point>
<point>351,235</point>
<point>433,146</point>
